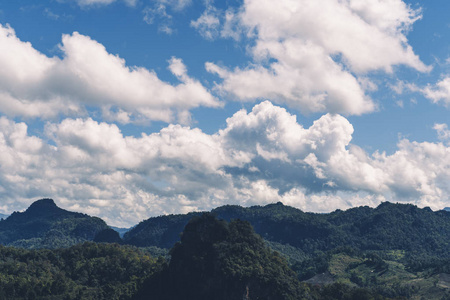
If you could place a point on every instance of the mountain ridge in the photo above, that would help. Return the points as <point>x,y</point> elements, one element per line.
<point>362,227</point>
<point>390,225</point>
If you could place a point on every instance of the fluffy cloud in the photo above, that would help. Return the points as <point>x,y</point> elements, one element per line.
<point>260,157</point>
<point>34,85</point>
<point>439,93</point>
<point>311,55</point>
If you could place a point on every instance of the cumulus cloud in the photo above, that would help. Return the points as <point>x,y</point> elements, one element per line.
<point>311,55</point>
<point>260,157</point>
<point>34,85</point>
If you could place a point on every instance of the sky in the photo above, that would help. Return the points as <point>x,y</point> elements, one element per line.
<point>128,109</point>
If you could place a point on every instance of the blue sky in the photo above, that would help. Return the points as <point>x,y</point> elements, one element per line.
<point>127,109</point>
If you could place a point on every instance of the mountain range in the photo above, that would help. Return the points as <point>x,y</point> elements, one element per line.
<point>398,251</point>
<point>388,227</point>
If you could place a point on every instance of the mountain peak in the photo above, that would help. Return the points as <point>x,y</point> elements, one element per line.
<point>46,202</point>
<point>44,224</point>
<point>43,207</point>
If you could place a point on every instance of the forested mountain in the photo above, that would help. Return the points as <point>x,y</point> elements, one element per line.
<point>387,227</point>
<point>393,251</point>
<point>217,260</point>
<point>214,260</point>
<point>45,225</point>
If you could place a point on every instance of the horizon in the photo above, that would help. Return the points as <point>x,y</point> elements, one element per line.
<point>127,109</point>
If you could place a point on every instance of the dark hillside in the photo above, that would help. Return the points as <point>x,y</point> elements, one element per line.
<point>45,225</point>
<point>163,231</point>
<point>220,260</point>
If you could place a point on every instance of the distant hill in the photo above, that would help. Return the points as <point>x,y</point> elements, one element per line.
<point>45,225</point>
<point>389,226</point>
<point>3,216</point>
<point>447,209</point>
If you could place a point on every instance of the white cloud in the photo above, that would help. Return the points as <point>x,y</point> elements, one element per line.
<point>311,55</point>
<point>443,132</point>
<point>208,24</point>
<point>231,26</point>
<point>85,3</point>
<point>176,4</point>
<point>215,22</point>
<point>309,82</point>
<point>51,15</point>
<point>34,85</point>
<point>369,35</point>
<point>94,2</point>
<point>158,13</point>
<point>439,93</point>
<point>400,103</point>
<point>260,157</point>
